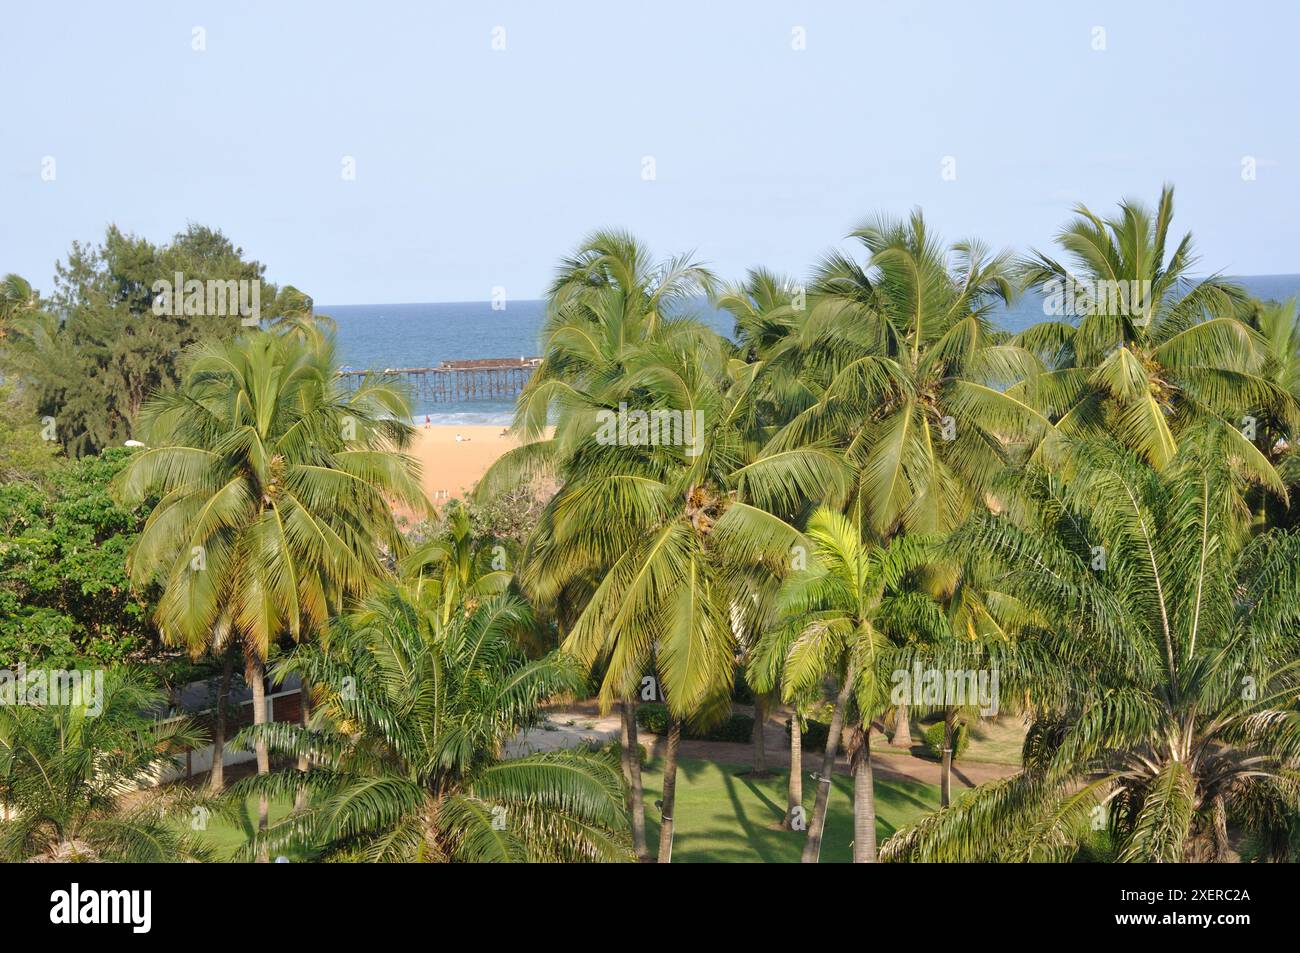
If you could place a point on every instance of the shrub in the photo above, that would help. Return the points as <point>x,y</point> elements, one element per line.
<point>614,749</point>
<point>934,740</point>
<point>814,735</point>
<point>653,717</point>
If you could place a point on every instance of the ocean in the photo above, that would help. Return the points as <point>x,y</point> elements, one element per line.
<point>377,336</point>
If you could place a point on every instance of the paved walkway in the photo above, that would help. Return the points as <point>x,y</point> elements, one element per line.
<point>571,725</point>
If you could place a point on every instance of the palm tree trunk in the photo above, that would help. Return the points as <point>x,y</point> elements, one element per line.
<point>632,774</point>
<point>217,776</point>
<point>794,795</point>
<point>304,763</point>
<point>813,848</point>
<point>756,737</point>
<point>864,803</point>
<point>945,777</point>
<point>670,792</point>
<point>902,728</point>
<point>256,675</point>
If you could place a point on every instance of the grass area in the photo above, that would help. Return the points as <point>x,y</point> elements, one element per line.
<point>226,835</point>
<point>724,817</point>
<point>721,816</point>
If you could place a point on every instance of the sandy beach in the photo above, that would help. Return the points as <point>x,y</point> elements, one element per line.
<point>449,468</point>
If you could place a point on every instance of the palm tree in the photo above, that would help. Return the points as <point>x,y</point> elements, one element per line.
<point>841,615</point>
<point>1278,326</point>
<point>16,298</point>
<point>608,298</point>
<point>911,378</point>
<point>1177,631</point>
<point>453,567</point>
<point>69,767</point>
<point>681,527</point>
<point>638,534</point>
<point>1153,351</point>
<point>274,486</point>
<point>415,715</point>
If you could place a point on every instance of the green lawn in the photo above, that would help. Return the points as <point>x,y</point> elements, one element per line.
<point>722,817</point>
<point>225,835</point>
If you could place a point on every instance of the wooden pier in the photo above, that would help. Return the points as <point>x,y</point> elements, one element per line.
<point>493,378</point>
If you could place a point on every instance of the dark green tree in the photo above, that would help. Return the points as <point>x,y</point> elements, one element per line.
<point>95,350</point>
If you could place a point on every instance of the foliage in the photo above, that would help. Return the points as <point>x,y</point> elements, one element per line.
<point>1179,657</point>
<point>1146,367</point>
<point>737,727</point>
<point>91,354</point>
<point>73,769</point>
<point>274,485</point>
<point>24,453</point>
<point>813,735</point>
<point>933,736</point>
<point>406,742</point>
<point>64,590</point>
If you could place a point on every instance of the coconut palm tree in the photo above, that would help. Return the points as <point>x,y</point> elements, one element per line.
<point>911,377</point>
<point>1178,633</point>
<point>842,615</point>
<point>1150,351</point>
<point>633,535</point>
<point>67,768</point>
<point>274,486</point>
<point>415,715</point>
<point>682,527</point>
<point>898,364</point>
<point>608,299</point>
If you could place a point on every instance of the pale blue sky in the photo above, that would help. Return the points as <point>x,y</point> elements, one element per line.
<point>477,168</point>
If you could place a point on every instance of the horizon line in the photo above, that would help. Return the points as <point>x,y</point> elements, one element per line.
<point>399,304</point>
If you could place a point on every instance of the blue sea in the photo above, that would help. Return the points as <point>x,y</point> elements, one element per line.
<point>378,336</point>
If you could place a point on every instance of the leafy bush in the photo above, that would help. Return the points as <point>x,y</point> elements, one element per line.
<point>934,740</point>
<point>814,735</point>
<point>64,591</point>
<point>653,718</point>
<point>614,749</point>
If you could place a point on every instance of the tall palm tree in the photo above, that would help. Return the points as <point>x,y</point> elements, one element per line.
<point>69,768</point>
<point>898,364</point>
<point>841,615</point>
<point>1151,351</point>
<point>607,300</point>
<point>633,536</point>
<point>911,377</point>
<point>1178,633</point>
<point>415,717</point>
<point>274,486</point>
<point>681,528</point>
